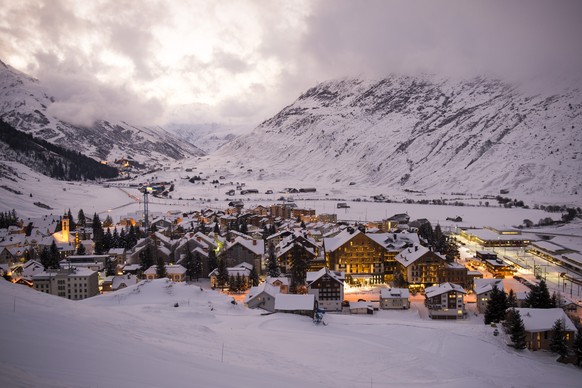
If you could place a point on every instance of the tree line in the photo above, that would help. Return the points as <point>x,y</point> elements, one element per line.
<point>53,160</point>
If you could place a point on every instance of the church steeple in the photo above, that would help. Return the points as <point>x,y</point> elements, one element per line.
<point>65,228</point>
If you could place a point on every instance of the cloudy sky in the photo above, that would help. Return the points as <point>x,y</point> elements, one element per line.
<point>238,62</point>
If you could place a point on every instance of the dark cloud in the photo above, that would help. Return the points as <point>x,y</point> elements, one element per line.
<point>81,99</point>
<point>137,61</point>
<point>501,38</point>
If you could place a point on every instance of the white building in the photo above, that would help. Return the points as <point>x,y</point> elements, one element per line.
<point>74,283</point>
<point>483,288</point>
<point>445,301</point>
<point>394,298</point>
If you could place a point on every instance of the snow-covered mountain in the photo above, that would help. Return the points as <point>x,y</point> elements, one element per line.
<point>208,137</point>
<point>423,133</point>
<point>25,103</point>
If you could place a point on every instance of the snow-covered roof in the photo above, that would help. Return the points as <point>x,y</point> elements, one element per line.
<point>116,251</point>
<point>263,288</point>
<point>486,285</point>
<point>333,243</point>
<point>535,320</point>
<point>549,247</point>
<point>488,234</point>
<point>360,305</point>
<point>77,272</point>
<point>243,269</point>
<point>410,255</point>
<point>282,279</point>
<point>443,288</point>
<point>394,293</point>
<point>294,302</point>
<point>175,269</point>
<point>312,276</point>
<point>255,246</point>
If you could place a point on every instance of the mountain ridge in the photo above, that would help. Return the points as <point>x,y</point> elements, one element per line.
<point>25,104</point>
<point>423,133</point>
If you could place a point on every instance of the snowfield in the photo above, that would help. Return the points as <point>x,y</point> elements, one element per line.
<point>137,338</point>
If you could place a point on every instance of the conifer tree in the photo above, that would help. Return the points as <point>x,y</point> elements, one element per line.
<point>496,306</point>
<point>110,267</point>
<point>115,239</point>
<point>122,239</point>
<point>399,280</point>
<point>539,296</point>
<point>72,224</point>
<point>161,268</point>
<point>516,329</point>
<point>272,265</point>
<point>253,277</point>
<point>45,257</point>
<point>197,265</point>
<point>108,221</point>
<point>54,256</point>
<point>146,257</point>
<point>232,284</point>
<point>98,234</point>
<point>222,276</point>
<point>81,220</point>
<point>131,237</point>
<point>239,283</point>
<point>451,250</point>
<point>298,267</point>
<point>107,241</point>
<point>188,263</point>
<point>511,299</point>
<point>558,342</point>
<point>212,262</point>
<point>440,240</point>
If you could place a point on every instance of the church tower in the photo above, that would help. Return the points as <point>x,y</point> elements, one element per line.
<point>65,228</point>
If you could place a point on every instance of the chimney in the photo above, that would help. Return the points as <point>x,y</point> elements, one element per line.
<point>416,248</point>
<point>254,242</point>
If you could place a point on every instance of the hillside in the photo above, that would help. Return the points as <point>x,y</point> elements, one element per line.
<point>136,337</point>
<point>25,104</point>
<point>50,159</point>
<point>422,134</point>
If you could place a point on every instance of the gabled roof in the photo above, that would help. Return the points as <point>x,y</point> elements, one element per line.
<point>442,289</point>
<point>394,293</point>
<point>255,246</point>
<point>263,288</point>
<point>333,243</point>
<point>536,320</point>
<point>175,269</point>
<point>282,279</point>
<point>311,277</point>
<point>410,255</point>
<point>294,302</point>
<point>243,269</point>
<point>485,285</point>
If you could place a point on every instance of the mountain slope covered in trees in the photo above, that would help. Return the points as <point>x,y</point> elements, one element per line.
<point>50,159</point>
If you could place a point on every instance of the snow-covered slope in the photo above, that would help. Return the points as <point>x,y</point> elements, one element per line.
<point>137,338</point>
<point>423,133</point>
<point>25,103</point>
<point>207,137</point>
